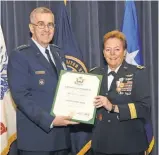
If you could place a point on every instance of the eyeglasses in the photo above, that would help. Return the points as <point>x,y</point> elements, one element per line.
<point>41,25</point>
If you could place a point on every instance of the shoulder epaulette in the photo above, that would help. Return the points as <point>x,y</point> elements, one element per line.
<point>140,67</point>
<point>22,47</point>
<point>93,69</point>
<point>55,46</point>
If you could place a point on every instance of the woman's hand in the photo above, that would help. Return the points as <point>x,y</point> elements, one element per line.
<point>102,101</point>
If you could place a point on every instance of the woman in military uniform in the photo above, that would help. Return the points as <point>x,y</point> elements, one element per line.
<point>123,105</point>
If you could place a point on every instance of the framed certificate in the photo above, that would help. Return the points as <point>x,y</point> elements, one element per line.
<point>75,94</point>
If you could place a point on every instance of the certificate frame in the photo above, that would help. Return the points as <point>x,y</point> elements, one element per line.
<point>65,74</point>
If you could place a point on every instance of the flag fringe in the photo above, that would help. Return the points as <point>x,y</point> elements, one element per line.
<point>85,148</point>
<point>151,145</point>
<point>10,141</point>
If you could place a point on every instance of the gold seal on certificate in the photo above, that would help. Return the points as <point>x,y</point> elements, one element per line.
<point>75,95</point>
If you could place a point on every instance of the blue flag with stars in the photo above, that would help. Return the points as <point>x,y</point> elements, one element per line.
<point>134,56</point>
<point>130,29</point>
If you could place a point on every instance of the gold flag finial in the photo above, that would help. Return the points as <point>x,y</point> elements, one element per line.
<point>65,2</point>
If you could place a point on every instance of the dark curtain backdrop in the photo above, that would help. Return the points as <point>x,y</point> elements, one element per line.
<point>90,21</point>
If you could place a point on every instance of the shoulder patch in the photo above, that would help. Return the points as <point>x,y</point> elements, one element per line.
<point>55,46</point>
<point>140,67</point>
<point>22,47</point>
<point>93,69</point>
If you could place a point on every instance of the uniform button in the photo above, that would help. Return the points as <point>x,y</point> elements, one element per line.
<point>109,121</point>
<point>106,93</point>
<point>108,112</point>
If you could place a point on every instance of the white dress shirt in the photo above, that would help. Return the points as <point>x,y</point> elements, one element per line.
<point>42,50</point>
<point>111,77</point>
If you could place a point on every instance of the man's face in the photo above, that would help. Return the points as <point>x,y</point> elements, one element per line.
<point>114,52</point>
<point>42,36</point>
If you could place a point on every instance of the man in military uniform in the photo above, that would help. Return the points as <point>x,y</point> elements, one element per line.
<point>33,71</point>
<point>123,104</point>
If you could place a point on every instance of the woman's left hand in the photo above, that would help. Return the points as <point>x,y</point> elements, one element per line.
<point>102,101</point>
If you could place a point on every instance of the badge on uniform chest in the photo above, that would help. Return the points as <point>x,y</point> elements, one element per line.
<point>124,84</point>
<point>41,82</point>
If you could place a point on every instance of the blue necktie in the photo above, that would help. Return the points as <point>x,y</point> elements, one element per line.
<point>50,60</point>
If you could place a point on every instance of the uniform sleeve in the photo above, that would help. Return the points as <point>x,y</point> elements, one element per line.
<point>18,79</point>
<point>140,105</point>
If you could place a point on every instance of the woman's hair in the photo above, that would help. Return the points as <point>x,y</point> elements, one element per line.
<point>116,34</point>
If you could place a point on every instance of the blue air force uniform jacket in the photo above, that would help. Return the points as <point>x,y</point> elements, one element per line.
<point>123,132</point>
<point>32,82</point>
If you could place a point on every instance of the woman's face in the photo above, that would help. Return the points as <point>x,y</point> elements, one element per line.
<point>114,52</point>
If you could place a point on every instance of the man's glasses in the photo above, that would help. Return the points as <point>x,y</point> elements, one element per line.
<point>41,25</point>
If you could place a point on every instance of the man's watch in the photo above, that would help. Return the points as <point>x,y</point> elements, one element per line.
<point>113,108</point>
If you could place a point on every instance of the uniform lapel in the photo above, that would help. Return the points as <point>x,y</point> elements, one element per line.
<point>105,78</point>
<point>121,72</point>
<point>40,56</point>
<point>57,59</point>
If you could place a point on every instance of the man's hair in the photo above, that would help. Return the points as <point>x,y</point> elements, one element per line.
<point>116,34</point>
<point>39,10</point>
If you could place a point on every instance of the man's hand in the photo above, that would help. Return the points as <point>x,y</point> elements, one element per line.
<point>63,121</point>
